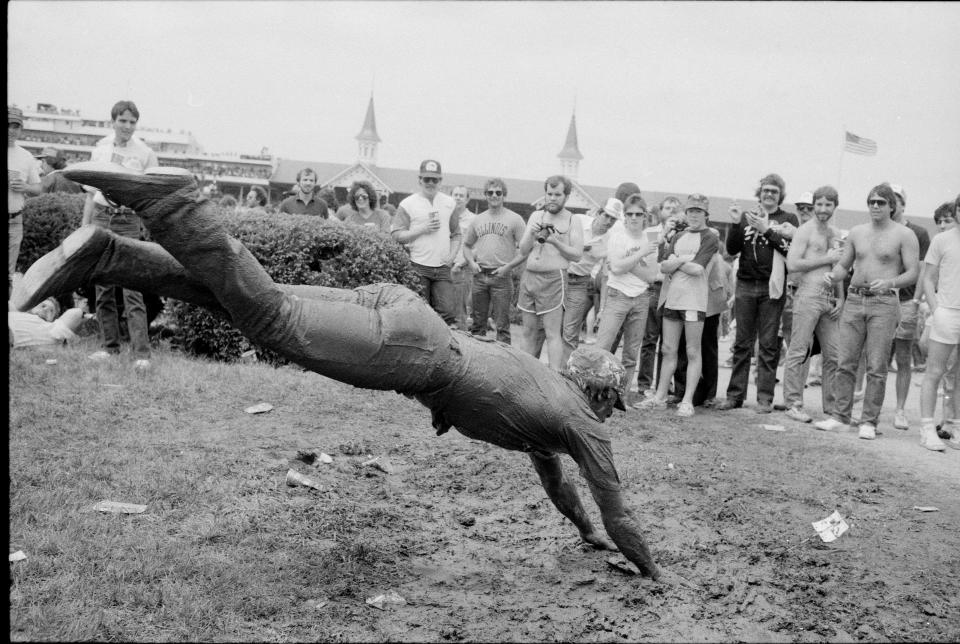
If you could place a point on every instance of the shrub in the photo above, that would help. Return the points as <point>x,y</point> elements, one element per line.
<point>47,219</point>
<point>295,249</point>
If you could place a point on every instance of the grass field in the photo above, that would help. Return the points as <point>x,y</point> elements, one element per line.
<point>460,529</point>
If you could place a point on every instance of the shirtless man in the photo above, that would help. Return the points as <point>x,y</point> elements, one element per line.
<point>885,254</point>
<point>379,336</point>
<point>816,304</point>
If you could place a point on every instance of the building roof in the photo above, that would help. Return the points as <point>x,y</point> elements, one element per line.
<point>570,148</point>
<point>369,130</point>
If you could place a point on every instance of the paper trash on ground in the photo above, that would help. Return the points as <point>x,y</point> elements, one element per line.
<point>17,556</point>
<point>774,428</point>
<point>831,527</point>
<point>390,597</point>
<point>295,478</point>
<point>381,463</point>
<point>259,408</point>
<point>119,508</point>
<point>325,458</point>
<point>926,508</point>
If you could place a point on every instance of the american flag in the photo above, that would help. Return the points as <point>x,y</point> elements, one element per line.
<point>859,145</point>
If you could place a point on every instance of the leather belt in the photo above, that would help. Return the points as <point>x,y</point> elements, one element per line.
<point>866,292</point>
<point>16,214</point>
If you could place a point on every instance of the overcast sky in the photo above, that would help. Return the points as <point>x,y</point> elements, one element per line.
<point>679,97</point>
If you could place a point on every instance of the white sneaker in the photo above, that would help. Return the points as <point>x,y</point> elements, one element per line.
<point>142,365</point>
<point>900,420</point>
<point>100,356</point>
<point>930,440</point>
<point>685,410</point>
<point>797,414</point>
<point>829,425</point>
<point>867,431</point>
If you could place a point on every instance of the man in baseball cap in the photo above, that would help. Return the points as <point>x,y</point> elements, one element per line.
<point>804,207</point>
<point>23,179</point>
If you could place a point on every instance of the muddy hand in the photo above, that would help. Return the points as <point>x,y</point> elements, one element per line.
<point>599,540</point>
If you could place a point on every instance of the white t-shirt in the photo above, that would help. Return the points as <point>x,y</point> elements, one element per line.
<point>31,330</point>
<point>592,260</point>
<point>23,163</point>
<point>433,248</point>
<point>618,243</point>
<point>135,155</point>
<point>466,218</point>
<point>944,252</point>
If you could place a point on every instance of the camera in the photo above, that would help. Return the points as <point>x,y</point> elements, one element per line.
<point>545,231</point>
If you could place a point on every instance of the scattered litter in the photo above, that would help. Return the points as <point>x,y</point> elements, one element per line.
<point>467,520</point>
<point>926,508</point>
<point>584,581</point>
<point>259,408</point>
<point>295,478</point>
<point>831,528</point>
<point>669,466</point>
<point>316,604</point>
<point>379,463</point>
<point>52,361</point>
<point>306,457</point>
<point>249,356</point>
<point>774,428</point>
<point>17,556</point>
<point>104,384</point>
<point>117,507</point>
<point>325,458</point>
<point>390,597</point>
<point>621,564</point>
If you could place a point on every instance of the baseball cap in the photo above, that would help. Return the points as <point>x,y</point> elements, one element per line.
<point>431,168</point>
<point>51,153</point>
<point>697,202</point>
<point>614,208</point>
<point>806,199</point>
<point>14,115</point>
<point>899,191</point>
<point>595,369</point>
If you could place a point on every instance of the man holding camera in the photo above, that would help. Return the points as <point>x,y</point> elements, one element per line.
<point>761,238</point>
<point>549,243</point>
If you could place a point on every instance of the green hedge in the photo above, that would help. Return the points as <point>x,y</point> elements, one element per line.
<point>47,219</point>
<point>295,249</point>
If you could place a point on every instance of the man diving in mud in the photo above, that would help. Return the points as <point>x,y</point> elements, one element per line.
<point>381,336</point>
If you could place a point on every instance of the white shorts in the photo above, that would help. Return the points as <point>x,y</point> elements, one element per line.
<point>945,326</point>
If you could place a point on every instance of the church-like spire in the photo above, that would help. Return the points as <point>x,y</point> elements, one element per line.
<point>368,138</point>
<point>570,154</point>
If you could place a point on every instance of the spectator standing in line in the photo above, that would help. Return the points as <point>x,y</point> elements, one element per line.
<point>883,255</point>
<point>813,252</point>
<point>52,160</point>
<point>427,224</point>
<point>23,178</point>
<point>650,349</point>
<point>582,277</point>
<point>126,149</point>
<point>328,195</point>
<point>304,200</point>
<point>941,285</point>
<point>550,242</point>
<point>362,200</point>
<point>632,265</point>
<point>489,244</point>
<point>946,218</point>
<point>256,201</point>
<point>909,296</point>
<point>804,207</point>
<point>461,273</point>
<point>761,239</point>
<point>684,300</point>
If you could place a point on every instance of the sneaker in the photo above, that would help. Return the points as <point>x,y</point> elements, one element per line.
<point>900,420</point>
<point>649,392</point>
<point>142,365</point>
<point>797,414</point>
<point>673,400</point>
<point>779,407</point>
<point>954,441</point>
<point>829,425</point>
<point>651,404</point>
<point>764,408</point>
<point>932,442</point>
<point>100,356</point>
<point>867,431</point>
<point>724,405</point>
<point>684,410</point>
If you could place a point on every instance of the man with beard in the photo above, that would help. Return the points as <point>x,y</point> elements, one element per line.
<point>816,305</point>
<point>381,336</point>
<point>550,242</point>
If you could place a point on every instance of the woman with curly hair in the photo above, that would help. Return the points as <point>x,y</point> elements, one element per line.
<point>364,212</point>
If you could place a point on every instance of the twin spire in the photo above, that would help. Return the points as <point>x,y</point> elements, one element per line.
<point>368,139</point>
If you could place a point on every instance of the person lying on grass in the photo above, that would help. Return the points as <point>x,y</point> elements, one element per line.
<point>381,336</point>
<point>42,325</point>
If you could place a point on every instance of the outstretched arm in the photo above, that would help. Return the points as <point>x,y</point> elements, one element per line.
<point>623,529</point>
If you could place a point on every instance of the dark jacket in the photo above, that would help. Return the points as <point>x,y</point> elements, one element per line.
<point>756,251</point>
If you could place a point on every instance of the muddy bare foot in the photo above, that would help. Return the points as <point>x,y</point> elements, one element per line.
<point>599,541</point>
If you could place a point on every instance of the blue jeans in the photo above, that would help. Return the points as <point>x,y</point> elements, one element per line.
<point>811,307</point>
<point>462,279</point>
<point>868,324</point>
<point>492,296</point>
<point>438,290</point>
<point>758,316</point>
<point>630,314</point>
<point>134,309</point>
<point>577,301</point>
<point>648,374</point>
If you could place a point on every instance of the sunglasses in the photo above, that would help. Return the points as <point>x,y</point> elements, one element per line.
<point>430,179</point>
<point>877,202</point>
<point>634,214</point>
<point>494,193</point>
<point>805,208</point>
<point>773,191</point>
<point>362,196</point>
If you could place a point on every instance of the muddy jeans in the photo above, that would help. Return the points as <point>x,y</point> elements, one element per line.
<point>868,324</point>
<point>135,311</point>
<point>811,307</point>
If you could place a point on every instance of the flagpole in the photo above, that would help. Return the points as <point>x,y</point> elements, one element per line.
<point>843,148</point>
